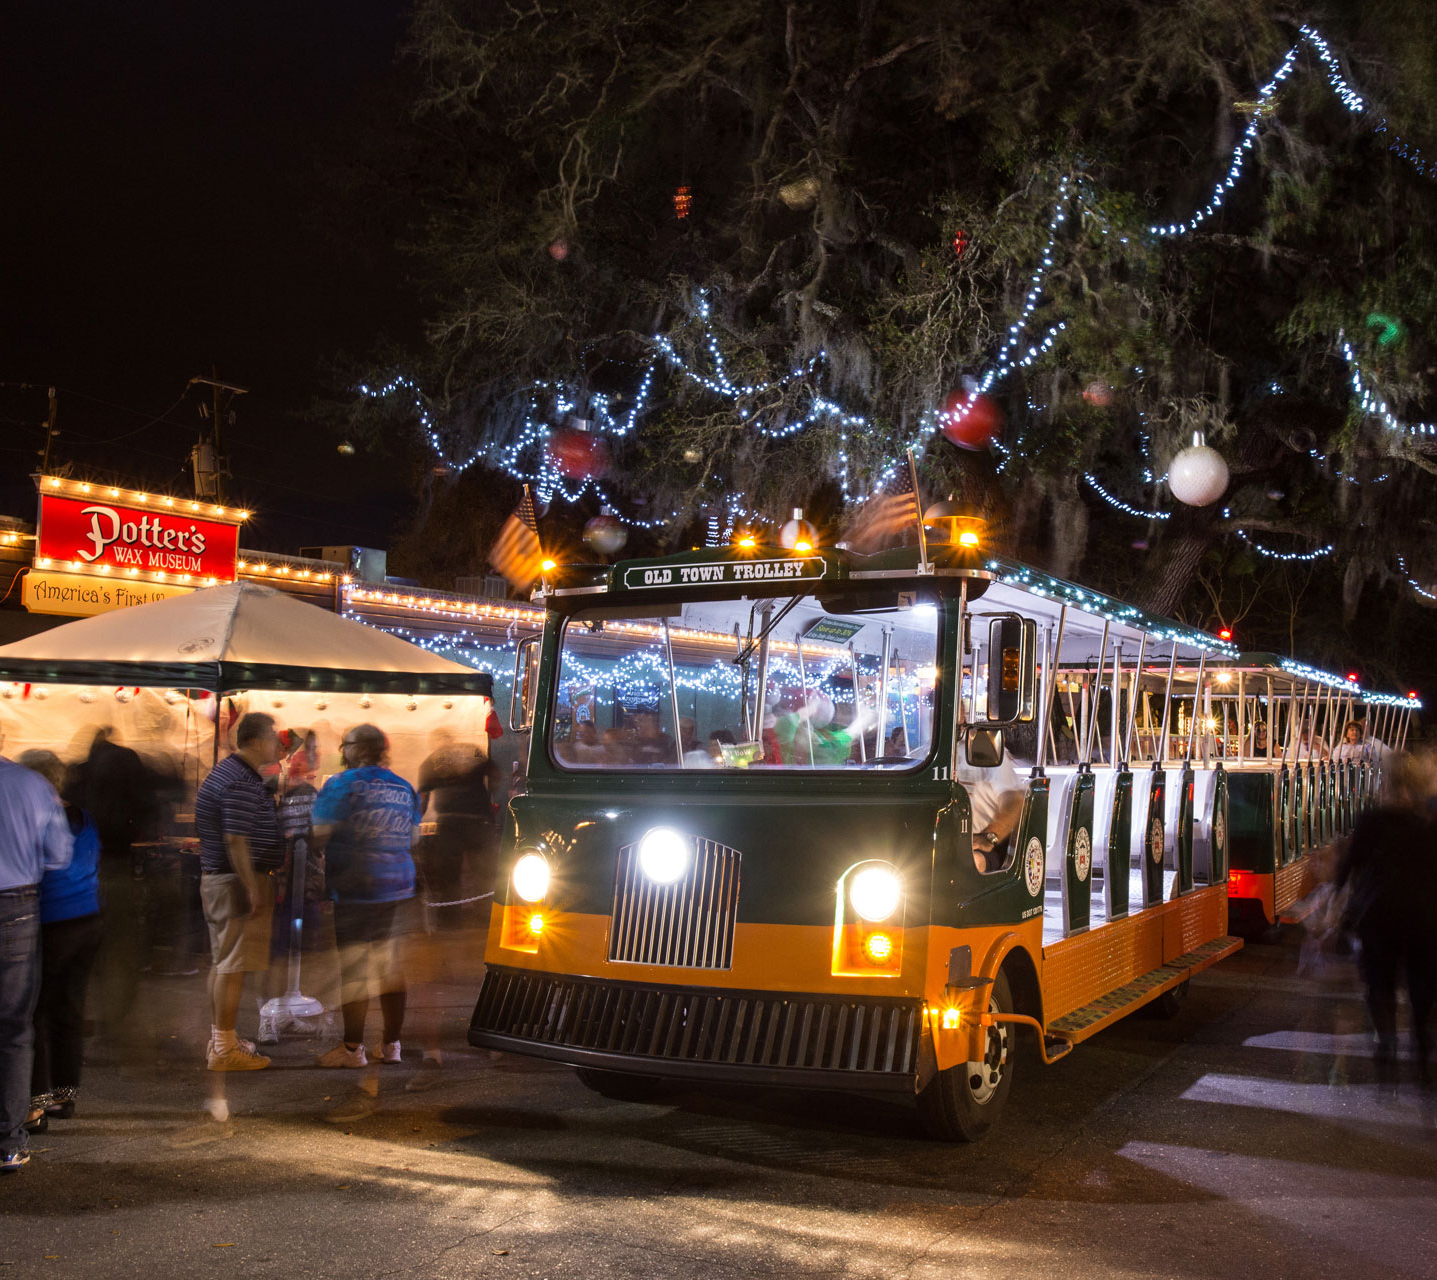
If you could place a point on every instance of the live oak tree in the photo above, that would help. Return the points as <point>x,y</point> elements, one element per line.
<point>871,187</point>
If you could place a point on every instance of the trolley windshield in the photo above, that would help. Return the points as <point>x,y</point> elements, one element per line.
<point>798,682</point>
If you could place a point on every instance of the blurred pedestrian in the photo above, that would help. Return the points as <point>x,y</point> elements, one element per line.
<point>69,939</point>
<point>34,839</point>
<point>456,786</point>
<point>115,788</point>
<point>364,822</point>
<point>240,849</point>
<point>1390,875</point>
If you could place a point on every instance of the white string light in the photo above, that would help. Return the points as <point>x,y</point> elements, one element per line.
<point>1120,504</point>
<point>1289,556</point>
<point>1411,582</point>
<point>1239,156</point>
<point>1373,405</point>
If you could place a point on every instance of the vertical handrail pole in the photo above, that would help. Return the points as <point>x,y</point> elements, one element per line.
<point>807,714</point>
<point>1197,709</point>
<point>1168,706</point>
<point>1241,717</point>
<point>760,692</point>
<point>880,744</point>
<point>1133,700</point>
<point>674,696</point>
<point>857,704</point>
<point>1097,689</point>
<point>1050,682</point>
<point>960,718</point>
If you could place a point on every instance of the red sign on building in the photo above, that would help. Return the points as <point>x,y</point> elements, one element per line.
<point>116,535</point>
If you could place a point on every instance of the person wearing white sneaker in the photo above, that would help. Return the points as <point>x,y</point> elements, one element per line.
<point>364,821</point>
<point>239,849</point>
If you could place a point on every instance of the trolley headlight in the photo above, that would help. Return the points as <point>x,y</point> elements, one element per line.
<point>664,855</point>
<point>531,877</point>
<point>875,893</point>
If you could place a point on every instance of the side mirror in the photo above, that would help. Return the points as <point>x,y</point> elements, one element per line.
<point>522,691</point>
<point>984,748</point>
<point>1012,669</point>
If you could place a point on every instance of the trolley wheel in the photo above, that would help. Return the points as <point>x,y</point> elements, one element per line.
<point>962,1103</point>
<point>1170,1003</point>
<point>620,1085</point>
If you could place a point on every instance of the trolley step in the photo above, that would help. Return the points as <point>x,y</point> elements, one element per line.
<point>1092,1018</point>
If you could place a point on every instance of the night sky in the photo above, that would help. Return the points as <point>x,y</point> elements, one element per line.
<point>184,190</point>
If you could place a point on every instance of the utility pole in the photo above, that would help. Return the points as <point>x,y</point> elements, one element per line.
<point>208,457</point>
<point>50,432</point>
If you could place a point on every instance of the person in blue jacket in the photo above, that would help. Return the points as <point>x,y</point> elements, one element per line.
<point>364,821</point>
<point>69,939</point>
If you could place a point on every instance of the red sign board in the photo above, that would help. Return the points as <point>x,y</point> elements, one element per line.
<point>149,539</point>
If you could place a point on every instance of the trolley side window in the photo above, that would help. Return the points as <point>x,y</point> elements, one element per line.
<point>753,684</point>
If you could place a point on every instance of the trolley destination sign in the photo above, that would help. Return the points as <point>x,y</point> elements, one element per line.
<point>726,572</point>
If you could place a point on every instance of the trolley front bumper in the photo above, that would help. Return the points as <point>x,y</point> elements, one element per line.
<point>703,1034</point>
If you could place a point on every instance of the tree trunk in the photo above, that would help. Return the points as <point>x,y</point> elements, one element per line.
<point>1164,582</point>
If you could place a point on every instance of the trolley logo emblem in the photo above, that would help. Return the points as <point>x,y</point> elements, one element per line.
<point>1033,866</point>
<point>1082,853</point>
<point>1155,840</point>
<point>1219,832</point>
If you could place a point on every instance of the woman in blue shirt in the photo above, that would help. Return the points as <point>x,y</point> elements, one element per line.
<point>69,938</point>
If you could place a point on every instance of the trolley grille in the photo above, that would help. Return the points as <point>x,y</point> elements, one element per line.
<point>687,924</point>
<point>672,1024</point>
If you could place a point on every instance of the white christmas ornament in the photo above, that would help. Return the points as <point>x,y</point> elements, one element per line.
<point>798,534</point>
<point>1198,475</point>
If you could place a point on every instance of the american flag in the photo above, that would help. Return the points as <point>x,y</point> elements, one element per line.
<point>516,552</point>
<point>888,515</point>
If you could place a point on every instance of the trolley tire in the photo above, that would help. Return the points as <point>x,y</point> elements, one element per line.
<point>949,1108</point>
<point>621,1086</point>
<point>1168,1005</point>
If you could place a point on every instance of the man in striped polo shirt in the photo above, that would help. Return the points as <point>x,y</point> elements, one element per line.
<point>240,848</point>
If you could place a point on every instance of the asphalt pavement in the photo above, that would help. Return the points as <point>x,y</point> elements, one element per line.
<point>1245,1138</point>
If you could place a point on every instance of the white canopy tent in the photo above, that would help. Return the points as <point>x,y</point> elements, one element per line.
<point>158,675</point>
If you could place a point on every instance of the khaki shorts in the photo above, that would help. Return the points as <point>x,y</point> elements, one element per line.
<point>239,942</point>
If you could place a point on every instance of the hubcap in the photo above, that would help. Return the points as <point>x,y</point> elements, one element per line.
<point>985,1075</point>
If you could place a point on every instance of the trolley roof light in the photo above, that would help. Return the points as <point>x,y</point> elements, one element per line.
<point>956,523</point>
<point>875,892</point>
<point>531,877</point>
<point>664,855</point>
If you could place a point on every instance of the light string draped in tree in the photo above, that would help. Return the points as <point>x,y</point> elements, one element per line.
<point>535,433</point>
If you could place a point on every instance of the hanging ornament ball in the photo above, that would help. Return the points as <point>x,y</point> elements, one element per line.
<point>1198,475</point>
<point>1275,495</point>
<point>605,534</point>
<point>798,534</point>
<point>1098,394</point>
<point>578,455</point>
<point>693,455</point>
<point>346,448</point>
<point>558,250</point>
<point>970,420</point>
<point>960,243</point>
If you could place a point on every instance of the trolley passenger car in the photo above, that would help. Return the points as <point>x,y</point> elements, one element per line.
<point>843,822</point>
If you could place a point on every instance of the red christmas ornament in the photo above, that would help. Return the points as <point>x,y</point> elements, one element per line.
<point>577,455</point>
<point>960,243</point>
<point>1098,394</point>
<point>559,250</point>
<point>969,420</point>
<point>683,202</point>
